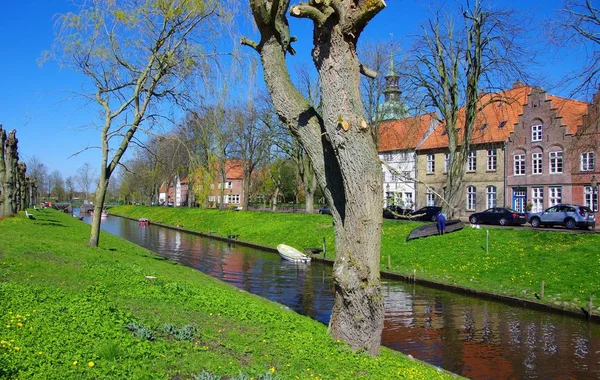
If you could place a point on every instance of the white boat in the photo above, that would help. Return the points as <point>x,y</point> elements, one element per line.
<point>292,254</point>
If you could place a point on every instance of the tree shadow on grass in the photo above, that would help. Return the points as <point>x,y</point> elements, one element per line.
<point>52,224</point>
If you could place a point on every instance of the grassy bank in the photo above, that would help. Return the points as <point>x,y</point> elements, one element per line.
<point>68,311</point>
<point>514,262</point>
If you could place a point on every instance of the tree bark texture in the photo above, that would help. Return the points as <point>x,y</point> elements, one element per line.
<point>342,151</point>
<point>10,160</point>
<point>2,169</point>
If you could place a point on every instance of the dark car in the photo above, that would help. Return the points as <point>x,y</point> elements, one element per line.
<point>395,212</point>
<point>570,216</point>
<point>427,213</point>
<point>503,216</point>
<point>325,210</point>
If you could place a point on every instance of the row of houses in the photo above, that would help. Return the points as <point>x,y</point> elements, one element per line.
<point>530,150</point>
<point>229,192</point>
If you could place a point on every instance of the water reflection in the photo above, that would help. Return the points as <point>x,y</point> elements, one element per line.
<point>472,337</point>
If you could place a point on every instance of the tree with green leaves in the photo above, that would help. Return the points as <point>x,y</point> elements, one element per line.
<point>138,55</point>
<point>339,144</point>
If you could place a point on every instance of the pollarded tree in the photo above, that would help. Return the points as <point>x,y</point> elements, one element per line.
<point>38,173</point>
<point>139,55</point>
<point>340,146</point>
<point>9,158</point>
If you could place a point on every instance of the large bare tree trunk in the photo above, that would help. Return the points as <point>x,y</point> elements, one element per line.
<point>22,168</point>
<point>341,149</point>
<point>2,169</point>
<point>10,173</point>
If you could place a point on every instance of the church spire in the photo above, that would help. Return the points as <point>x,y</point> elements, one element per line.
<point>392,107</point>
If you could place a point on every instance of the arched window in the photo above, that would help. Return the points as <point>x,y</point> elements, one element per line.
<point>537,162</point>
<point>519,163</point>
<point>471,197</point>
<point>491,196</point>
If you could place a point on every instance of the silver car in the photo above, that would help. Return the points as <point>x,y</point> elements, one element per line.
<point>570,216</point>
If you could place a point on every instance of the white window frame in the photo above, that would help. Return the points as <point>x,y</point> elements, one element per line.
<point>588,161</point>
<point>590,198</point>
<point>471,198</point>
<point>430,163</point>
<point>537,163</point>
<point>234,198</point>
<point>492,160</point>
<point>430,197</point>
<point>554,195</point>
<point>229,185</point>
<point>536,132</point>
<point>519,164</point>
<point>537,199</point>
<point>556,162</point>
<point>388,157</point>
<point>408,199</point>
<point>491,196</point>
<point>472,161</point>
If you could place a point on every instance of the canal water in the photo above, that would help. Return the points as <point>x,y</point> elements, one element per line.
<point>476,338</point>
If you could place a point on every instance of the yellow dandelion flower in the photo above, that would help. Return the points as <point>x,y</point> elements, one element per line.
<point>17,348</point>
<point>75,362</point>
<point>272,369</point>
<point>40,353</point>
<point>19,324</point>
<point>91,364</point>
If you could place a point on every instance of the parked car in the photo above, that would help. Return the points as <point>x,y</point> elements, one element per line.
<point>427,213</point>
<point>325,210</point>
<point>503,216</point>
<point>395,212</point>
<point>570,216</point>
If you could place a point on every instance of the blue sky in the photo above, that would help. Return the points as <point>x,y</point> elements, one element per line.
<point>39,102</point>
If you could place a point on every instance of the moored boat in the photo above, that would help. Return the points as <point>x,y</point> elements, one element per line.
<point>431,229</point>
<point>292,254</point>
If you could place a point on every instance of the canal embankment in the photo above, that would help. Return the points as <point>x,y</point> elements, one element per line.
<point>545,270</point>
<point>119,311</point>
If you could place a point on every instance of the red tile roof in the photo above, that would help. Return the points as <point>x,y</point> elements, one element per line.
<point>233,169</point>
<point>500,114</point>
<point>403,134</point>
<point>571,111</point>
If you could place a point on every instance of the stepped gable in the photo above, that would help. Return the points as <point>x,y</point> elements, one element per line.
<point>501,112</point>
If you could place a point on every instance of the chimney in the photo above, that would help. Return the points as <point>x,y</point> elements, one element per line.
<point>518,84</point>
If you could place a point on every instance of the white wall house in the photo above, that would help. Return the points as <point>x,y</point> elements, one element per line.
<point>398,140</point>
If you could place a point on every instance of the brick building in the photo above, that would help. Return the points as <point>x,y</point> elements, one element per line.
<point>228,192</point>
<point>585,173</point>
<point>542,152</point>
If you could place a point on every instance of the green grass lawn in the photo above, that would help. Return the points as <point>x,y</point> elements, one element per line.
<point>68,311</point>
<point>515,264</point>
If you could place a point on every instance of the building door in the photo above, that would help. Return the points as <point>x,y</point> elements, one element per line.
<point>519,200</point>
